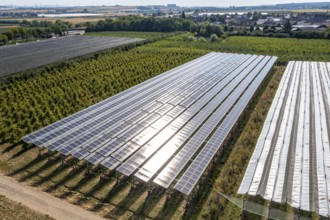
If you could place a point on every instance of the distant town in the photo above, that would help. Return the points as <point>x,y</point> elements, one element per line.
<point>302,16</point>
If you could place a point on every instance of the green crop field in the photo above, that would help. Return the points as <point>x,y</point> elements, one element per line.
<point>133,34</point>
<point>285,48</point>
<point>31,101</point>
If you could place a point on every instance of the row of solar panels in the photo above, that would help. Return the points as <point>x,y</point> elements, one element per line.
<point>292,155</point>
<point>154,129</point>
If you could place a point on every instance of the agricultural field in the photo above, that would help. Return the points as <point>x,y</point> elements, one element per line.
<point>285,49</point>
<point>29,102</point>
<point>71,20</point>
<point>145,35</point>
<point>5,27</point>
<point>17,58</point>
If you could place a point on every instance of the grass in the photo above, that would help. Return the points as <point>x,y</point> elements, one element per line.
<point>132,34</point>
<point>13,210</point>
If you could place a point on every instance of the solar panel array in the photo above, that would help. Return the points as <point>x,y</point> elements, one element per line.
<point>17,58</point>
<point>153,130</point>
<point>291,161</point>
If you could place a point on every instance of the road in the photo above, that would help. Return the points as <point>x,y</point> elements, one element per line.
<point>41,201</point>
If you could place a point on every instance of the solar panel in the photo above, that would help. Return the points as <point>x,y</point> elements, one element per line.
<point>253,175</point>
<point>110,163</point>
<point>91,137</point>
<point>274,189</point>
<point>322,145</point>
<point>301,166</point>
<point>94,158</point>
<point>57,128</point>
<point>156,127</point>
<point>291,161</point>
<point>191,176</point>
<point>195,141</point>
<point>162,137</point>
<point>186,153</point>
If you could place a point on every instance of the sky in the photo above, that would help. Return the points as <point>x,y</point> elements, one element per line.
<point>225,3</point>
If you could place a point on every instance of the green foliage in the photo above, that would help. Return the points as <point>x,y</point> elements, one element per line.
<point>251,28</point>
<point>31,30</point>
<point>3,39</point>
<point>285,48</point>
<point>201,39</point>
<point>287,26</point>
<point>214,38</point>
<point>224,36</point>
<point>189,37</point>
<point>207,29</point>
<point>136,23</point>
<point>153,24</point>
<point>183,15</point>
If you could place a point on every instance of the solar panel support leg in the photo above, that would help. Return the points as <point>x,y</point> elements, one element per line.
<point>150,188</point>
<point>168,197</point>
<point>48,155</point>
<point>132,183</point>
<point>102,175</point>
<point>87,169</point>
<point>269,210</point>
<point>116,176</point>
<point>62,159</point>
<point>39,152</point>
<point>187,204</point>
<point>243,209</point>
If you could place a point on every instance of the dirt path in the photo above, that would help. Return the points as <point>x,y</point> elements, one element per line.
<point>42,202</point>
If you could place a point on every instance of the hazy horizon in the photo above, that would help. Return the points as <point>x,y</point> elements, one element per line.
<point>188,3</point>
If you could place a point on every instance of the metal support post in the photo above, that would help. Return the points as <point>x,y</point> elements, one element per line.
<point>187,204</point>
<point>132,183</point>
<point>39,151</point>
<point>62,159</point>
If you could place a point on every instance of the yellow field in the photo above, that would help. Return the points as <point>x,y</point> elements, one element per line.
<point>312,10</point>
<point>72,20</point>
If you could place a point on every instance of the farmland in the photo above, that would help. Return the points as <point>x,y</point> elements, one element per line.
<point>52,51</point>
<point>29,103</point>
<point>132,34</point>
<point>5,28</point>
<point>71,20</point>
<point>286,49</point>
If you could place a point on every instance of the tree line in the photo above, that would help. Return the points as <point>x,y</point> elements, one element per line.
<point>152,24</point>
<point>205,29</point>
<point>30,30</point>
